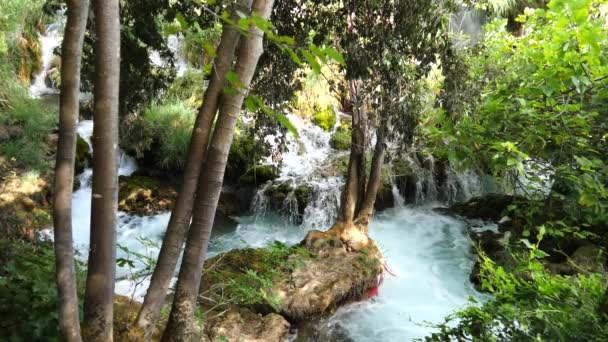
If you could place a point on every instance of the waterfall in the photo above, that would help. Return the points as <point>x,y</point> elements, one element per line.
<point>301,166</point>
<point>174,43</point>
<point>50,39</point>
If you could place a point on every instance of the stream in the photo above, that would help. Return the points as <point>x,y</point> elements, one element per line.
<point>430,254</point>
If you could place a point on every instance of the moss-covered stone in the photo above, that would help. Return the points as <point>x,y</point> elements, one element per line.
<point>144,195</point>
<point>325,118</point>
<point>278,193</point>
<point>341,140</point>
<point>303,194</point>
<point>301,283</point>
<point>259,174</point>
<point>83,155</point>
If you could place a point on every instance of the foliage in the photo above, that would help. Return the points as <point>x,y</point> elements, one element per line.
<point>28,295</point>
<point>30,122</point>
<point>325,118</point>
<point>200,44</point>
<point>530,304</point>
<point>542,107</point>
<point>161,132</point>
<point>19,45</point>
<point>188,88</point>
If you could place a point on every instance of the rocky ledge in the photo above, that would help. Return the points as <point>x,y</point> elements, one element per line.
<point>566,256</point>
<point>258,294</point>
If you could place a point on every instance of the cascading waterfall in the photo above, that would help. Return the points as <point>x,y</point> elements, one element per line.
<point>49,41</point>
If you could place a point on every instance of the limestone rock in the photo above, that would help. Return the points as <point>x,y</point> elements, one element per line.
<point>244,325</point>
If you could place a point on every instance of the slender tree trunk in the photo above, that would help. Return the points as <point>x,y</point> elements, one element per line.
<point>375,179</point>
<point>182,213</point>
<point>69,322</point>
<point>180,326</point>
<point>355,180</point>
<point>99,294</point>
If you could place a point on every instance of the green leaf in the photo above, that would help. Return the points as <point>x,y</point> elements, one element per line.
<point>312,61</point>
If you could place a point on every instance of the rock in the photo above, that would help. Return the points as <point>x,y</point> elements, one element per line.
<point>341,139</point>
<point>28,204</point>
<point>4,134</point>
<point>384,197</point>
<point>489,207</point>
<point>590,258</point>
<point>259,174</point>
<point>15,131</point>
<point>144,195</point>
<point>241,324</point>
<point>335,276</point>
<point>297,282</point>
<point>83,155</point>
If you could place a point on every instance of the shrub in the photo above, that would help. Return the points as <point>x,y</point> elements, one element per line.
<point>161,134</point>
<point>28,295</point>
<point>531,304</point>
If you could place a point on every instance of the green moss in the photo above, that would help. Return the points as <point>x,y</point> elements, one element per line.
<point>248,276</point>
<point>259,174</point>
<point>83,154</point>
<point>278,194</point>
<point>340,140</point>
<point>303,194</point>
<point>188,88</point>
<point>325,118</point>
<point>134,184</point>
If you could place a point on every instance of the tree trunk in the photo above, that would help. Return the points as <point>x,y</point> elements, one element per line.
<point>69,322</point>
<point>99,293</point>
<point>182,213</point>
<point>375,179</point>
<point>355,180</point>
<point>180,326</point>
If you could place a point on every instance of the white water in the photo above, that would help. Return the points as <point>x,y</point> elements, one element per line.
<point>49,41</point>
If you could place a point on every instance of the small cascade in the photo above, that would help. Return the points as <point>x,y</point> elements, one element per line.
<point>174,43</point>
<point>422,179</point>
<point>301,195</point>
<point>49,41</point>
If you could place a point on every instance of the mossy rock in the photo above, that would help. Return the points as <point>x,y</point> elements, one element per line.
<point>278,194</point>
<point>144,195</point>
<point>83,155</point>
<point>259,174</point>
<point>340,140</point>
<point>326,119</point>
<point>303,195</point>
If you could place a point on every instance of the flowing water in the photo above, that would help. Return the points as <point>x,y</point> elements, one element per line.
<point>429,253</point>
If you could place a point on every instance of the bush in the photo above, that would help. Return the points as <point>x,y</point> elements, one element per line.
<point>161,134</point>
<point>325,118</point>
<point>531,304</point>
<point>28,295</point>
<point>246,153</point>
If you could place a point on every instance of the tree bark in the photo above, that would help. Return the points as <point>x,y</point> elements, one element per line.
<point>69,322</point>
<point>375,179</point>
<point>182,213</point>
<point>352,194</point>
<point>99,293</point>
<point>180,326</point>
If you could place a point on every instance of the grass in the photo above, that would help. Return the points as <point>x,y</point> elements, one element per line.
<point>29,123</point>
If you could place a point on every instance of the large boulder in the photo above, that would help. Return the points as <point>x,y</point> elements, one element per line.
<point>83,155</point>
<point>297,282</point>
